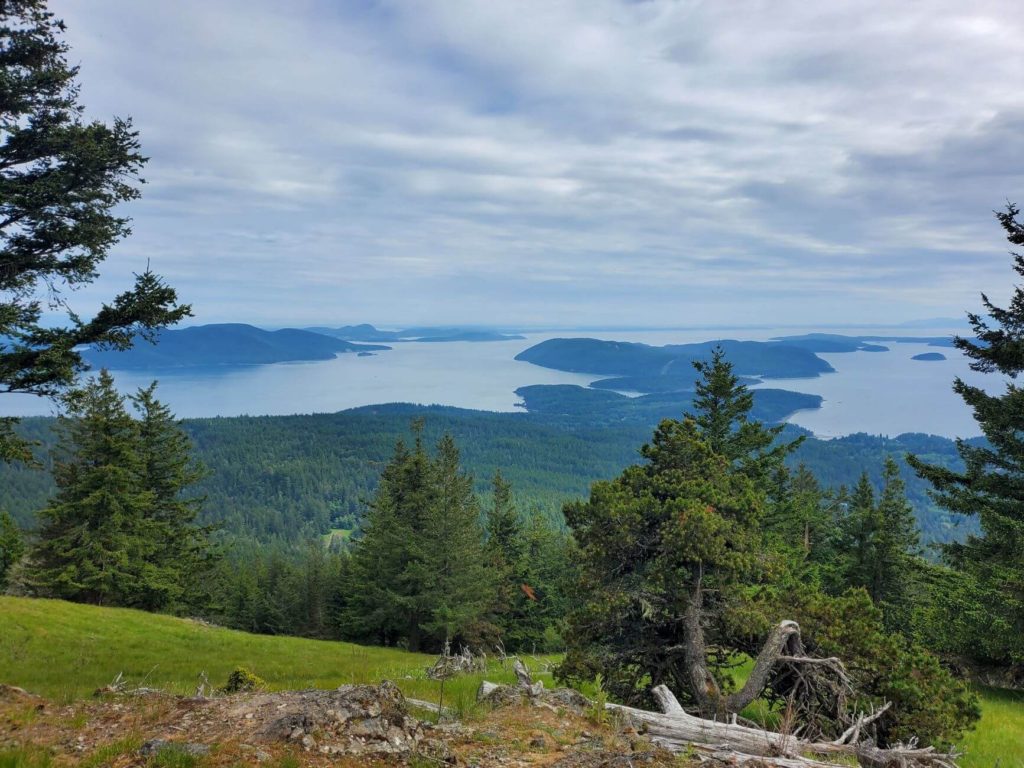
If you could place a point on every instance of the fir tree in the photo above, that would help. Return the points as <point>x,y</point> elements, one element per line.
<point>167,471</point>
<point>991,486</point>
<point>118,532</point>
<point>458,582</point>
<point>721,411</point>
<point>61,181</point>
<point>93,538</point>
<point>418,574</point>
<point>880,543</point>
<point>12,546</point>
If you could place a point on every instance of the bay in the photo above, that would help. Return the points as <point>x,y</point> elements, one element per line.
<point>884,393</point>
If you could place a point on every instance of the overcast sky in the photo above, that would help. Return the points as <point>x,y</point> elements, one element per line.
<point>538,162</point>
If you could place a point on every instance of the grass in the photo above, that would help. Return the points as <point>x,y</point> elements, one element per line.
<point>998,739</point>
<point>65,651</point>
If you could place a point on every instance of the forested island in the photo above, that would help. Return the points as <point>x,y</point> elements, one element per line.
<point>223,344</point>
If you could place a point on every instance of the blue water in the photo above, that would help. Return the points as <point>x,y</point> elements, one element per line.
<point>875,392</point>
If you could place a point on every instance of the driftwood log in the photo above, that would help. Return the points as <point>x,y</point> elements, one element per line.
<point>740,745</point>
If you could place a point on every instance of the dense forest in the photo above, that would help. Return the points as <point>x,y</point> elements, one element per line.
<point>290,477</point>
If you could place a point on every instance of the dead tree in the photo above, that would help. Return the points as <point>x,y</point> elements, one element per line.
<point>821,683</point>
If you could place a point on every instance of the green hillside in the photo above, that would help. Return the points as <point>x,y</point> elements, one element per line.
<point>65,651</point>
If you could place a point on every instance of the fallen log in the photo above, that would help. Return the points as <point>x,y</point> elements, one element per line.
<point>739,745</point>
<point>675,729</point>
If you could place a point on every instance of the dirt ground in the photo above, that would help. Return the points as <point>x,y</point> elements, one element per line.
<point>367,727</point>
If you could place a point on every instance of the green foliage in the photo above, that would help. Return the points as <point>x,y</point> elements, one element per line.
<point>927,700</point>
<point>877,547</point>
<point>292,478</point>
<point>598,696</point>
<point>418,573</point>
<point>12,546</point>
<point>61,181</point>
<point>991,485</point>
<point>721,410</point>
<point>242,680</point>
<point>116,531</point>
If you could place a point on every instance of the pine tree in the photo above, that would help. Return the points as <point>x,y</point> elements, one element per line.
<point>118,532</point>
<point>93,536</point>
<point>12,546</point>
<point>459,582</point>
<point>418,573</point>
<point>168,470</point>
<point>991,486</point>
<point>61,181</point>
<point>721,412</point>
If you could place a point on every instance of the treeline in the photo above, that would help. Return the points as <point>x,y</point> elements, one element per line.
<point>290,478</point>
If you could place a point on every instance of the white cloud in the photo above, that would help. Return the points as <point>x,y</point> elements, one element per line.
<point>465,161</point>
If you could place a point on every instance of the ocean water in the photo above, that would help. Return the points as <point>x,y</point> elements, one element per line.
<point>875,392</point>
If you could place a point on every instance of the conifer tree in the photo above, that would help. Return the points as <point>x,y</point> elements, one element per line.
<point>991,486</point>
<point>118,531</point>
<point>12,546</point>
<point>167,471</point>
<point>417,575</point>
<point>62,180</point>
<point>459,583</point>
<point>93,536</point>
<point>721,412</point>
<point>880,542</point>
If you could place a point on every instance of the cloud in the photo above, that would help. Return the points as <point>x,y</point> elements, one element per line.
<point>579,161</point>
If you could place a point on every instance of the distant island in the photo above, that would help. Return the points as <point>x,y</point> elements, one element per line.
<point>367,332</point>
<point>643,368</point>
<point>592,406</point>
<point>834,342</point>
<point>929,356</point>
<point>224,344</point>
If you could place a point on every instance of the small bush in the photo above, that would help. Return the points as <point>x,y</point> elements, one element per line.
<point>242,680</point>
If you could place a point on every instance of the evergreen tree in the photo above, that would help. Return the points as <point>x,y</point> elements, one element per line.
<point>167,472</point>
<point>118,532</point>
<point>666,541</point>
<point>721,410</point>
<point>797,512</point>
<point>418,574</point>
<point>12,546</point>
<point>506,555</point>
<point>458,580</point>
<point>879,544</point>
<point>93,538</point>
<point>61,179</point>
<point>991,486</point>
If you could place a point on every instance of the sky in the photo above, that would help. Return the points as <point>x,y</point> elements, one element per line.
<point>556,163</point>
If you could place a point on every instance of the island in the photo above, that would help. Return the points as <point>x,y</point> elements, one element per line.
<point>224,344</point>
<point>573,403</point>
<point>929,356</point>
<point>632,367</point>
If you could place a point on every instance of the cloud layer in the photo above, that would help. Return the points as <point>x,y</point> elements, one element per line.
<point>585,161</point>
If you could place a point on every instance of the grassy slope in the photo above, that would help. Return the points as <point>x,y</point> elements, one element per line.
<point>65,651</point>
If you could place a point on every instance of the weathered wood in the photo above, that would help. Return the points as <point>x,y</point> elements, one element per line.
<point>679,730</point>
<point>666,700</point>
